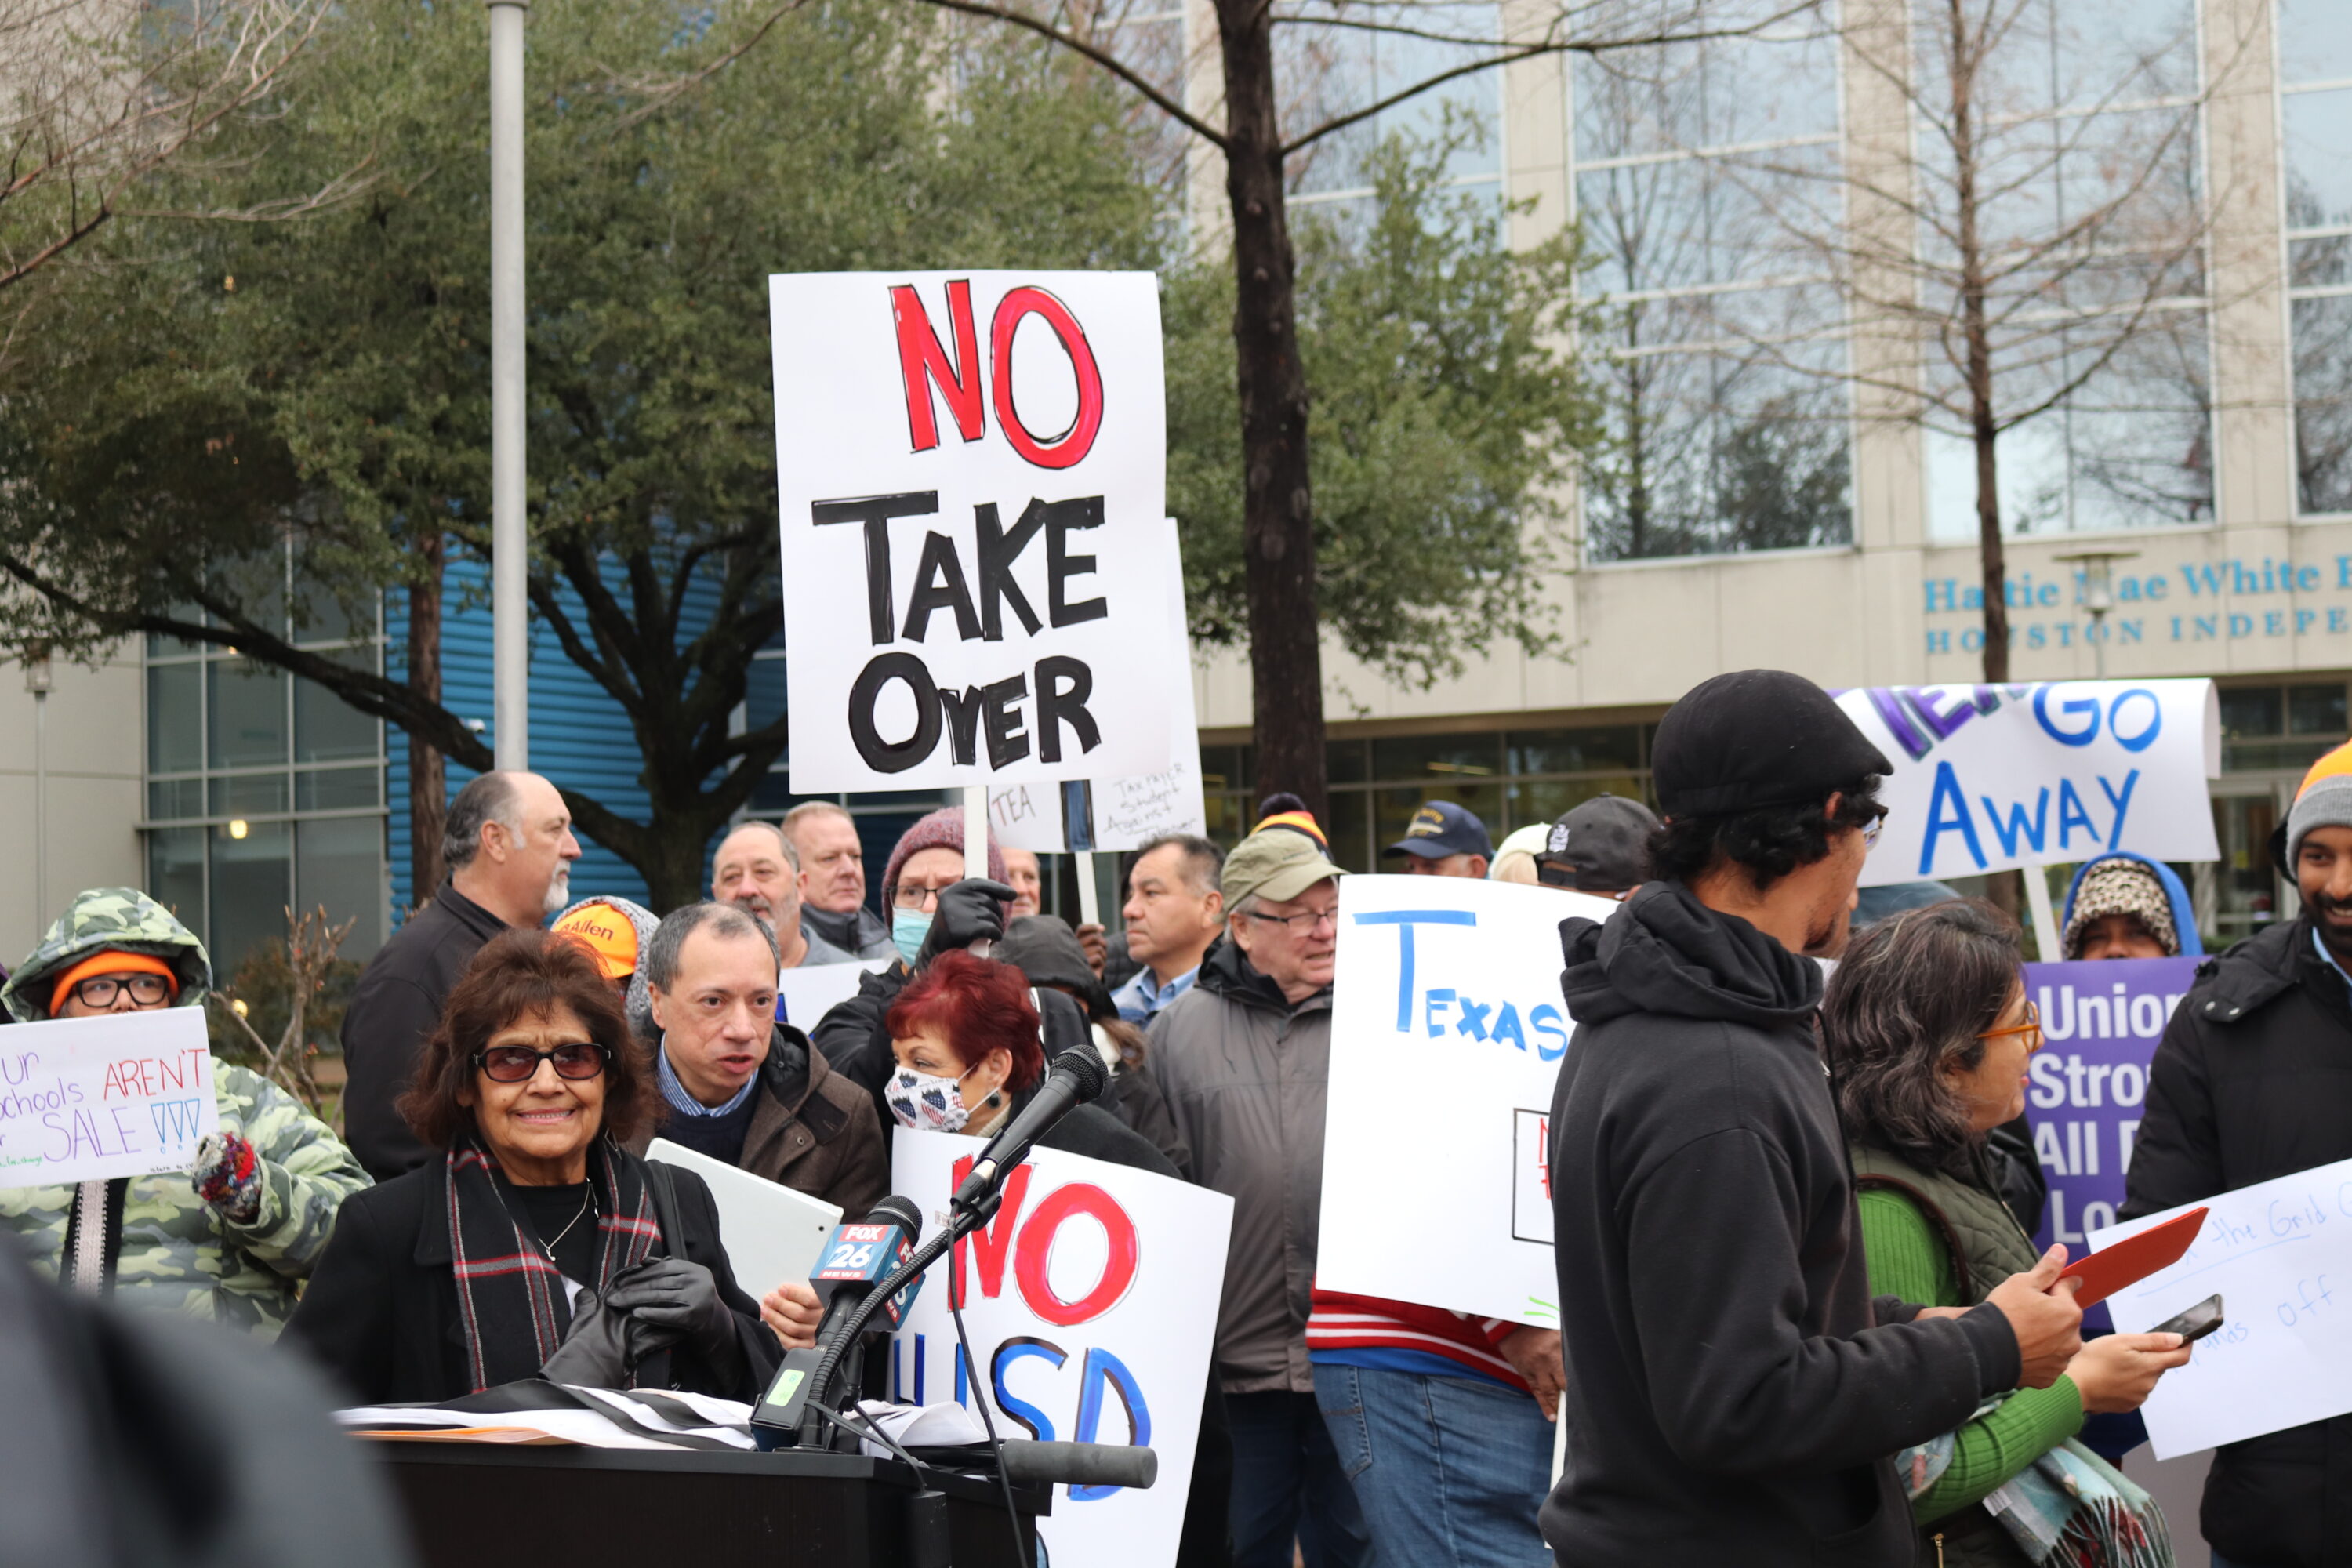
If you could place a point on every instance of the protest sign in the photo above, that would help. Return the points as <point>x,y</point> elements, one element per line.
<point>2100,1024</point>
<point>88,1100</point>
<point>1091,1300</point>
<point>808,992</point>
<point>2280,1254</point>
<point>1445,1010</point>
<point>1988,777</point>
<point>1121,813</point>
<point>969,538</point>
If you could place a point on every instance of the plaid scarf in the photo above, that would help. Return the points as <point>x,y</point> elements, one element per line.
<point>506,1279</point>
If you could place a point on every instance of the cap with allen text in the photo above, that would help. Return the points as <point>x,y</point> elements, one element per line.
<point>1753,739</point>
<point>605,932</point>
<point>1440,828</point>
<point>1277,864</point>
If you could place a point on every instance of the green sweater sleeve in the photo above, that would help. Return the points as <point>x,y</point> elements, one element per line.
<point>1907,1257</point>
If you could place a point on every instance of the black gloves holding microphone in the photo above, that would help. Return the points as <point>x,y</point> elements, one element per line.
<point>969,911</point>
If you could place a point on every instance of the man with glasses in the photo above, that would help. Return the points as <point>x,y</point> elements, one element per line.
<point>1244,1057</point>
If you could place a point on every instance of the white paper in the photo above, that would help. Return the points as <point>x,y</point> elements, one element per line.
<point>812,991</point>
<point>943,1424</point>
<point>1122,812</point>
<point>1092,1304</point>
<point>772,1233</point>
<point>2280,1253</point>
<point>2047,772</point>
<point>89,1099</point>
<point>1053,399</point>
<point>1446,1015</point>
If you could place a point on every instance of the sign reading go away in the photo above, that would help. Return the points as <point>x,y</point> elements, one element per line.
<point>970,469</point>
<point>87,1099</point>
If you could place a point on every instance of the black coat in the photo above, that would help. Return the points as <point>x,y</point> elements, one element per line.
<point>2252,1081</point>
<point>394,1009</point>
<point>380,1313</point>
<point>1734,1395</point>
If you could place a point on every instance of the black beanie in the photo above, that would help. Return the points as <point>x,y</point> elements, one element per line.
<point>1753,739</point>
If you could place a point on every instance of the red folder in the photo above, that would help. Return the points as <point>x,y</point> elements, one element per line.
<point>2134,1259</point>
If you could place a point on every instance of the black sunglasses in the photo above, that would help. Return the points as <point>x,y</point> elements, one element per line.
<point>520,1064</point>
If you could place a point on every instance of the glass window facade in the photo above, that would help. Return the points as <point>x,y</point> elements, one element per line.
<point>2314,44</point>
<point>264,793</point>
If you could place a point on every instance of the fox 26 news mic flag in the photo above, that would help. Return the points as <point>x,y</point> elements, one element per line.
<point>971,468</point>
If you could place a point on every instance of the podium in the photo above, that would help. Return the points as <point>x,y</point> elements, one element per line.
<point>474,1505</point>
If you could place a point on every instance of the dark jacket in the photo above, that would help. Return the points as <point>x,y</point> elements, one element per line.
<point>2252,1081</point>
<point>812,1130</point>
<point>381,1312</point>
<point>859,932</point>
<point>393,1010</point>
<point>1734,1395</point>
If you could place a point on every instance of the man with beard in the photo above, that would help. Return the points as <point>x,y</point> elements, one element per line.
<point>508,846</point>
<point>1734,1395</point>
<point>2252,1081</point>
<point>758,871</point>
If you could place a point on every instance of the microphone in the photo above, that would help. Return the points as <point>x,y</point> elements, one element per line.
<point>1078,1076</point>
<point>1079,1464</point>
<point>855,1257</point>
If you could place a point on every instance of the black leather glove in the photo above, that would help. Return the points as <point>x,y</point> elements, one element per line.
<point>605,1344</point>
<point>681,1296</point>
<point>969,911</point>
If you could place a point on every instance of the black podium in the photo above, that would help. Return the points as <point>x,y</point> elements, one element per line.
<point>473,1505</point>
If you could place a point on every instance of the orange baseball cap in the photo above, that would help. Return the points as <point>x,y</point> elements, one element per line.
<point>112,961</point>
<point>604,931</point>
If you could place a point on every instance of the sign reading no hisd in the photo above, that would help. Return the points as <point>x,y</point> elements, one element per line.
<point>971,468</point>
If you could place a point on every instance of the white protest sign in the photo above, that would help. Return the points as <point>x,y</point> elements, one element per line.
<point>88,1100</point>
<point>969,568</point>
<point>1445,1008</point>
<point>1987,777</point>
<point>2280,1253</point>
<point>1121,813</point>
<point>1091,1299</point>
<point>813,990</point>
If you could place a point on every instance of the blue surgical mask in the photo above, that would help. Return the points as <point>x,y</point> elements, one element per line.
<point>907,929</point>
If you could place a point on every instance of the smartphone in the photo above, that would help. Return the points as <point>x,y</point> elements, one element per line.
<point>2195,1323</point>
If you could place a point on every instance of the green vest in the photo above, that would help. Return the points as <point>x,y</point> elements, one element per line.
<point>1984,1240</point>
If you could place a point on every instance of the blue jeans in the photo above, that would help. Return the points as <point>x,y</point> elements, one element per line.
<point>1288,1483</point>
<point>1451,1470</point>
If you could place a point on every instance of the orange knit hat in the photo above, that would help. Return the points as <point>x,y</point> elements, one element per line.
<point>111,961</point>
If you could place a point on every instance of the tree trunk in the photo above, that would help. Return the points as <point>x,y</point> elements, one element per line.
<point>428,781</point>
<point>1278,527</point>
<point>1967,49</point>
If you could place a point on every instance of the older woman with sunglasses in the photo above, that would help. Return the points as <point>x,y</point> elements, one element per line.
<point>1929,1032</point>
<point>472,1270</point>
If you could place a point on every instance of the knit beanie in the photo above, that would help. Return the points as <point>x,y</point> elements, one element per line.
<point>1282,809</point>
<point>2325,800</point>
<point>942,829</point>
<point>2120,886</point>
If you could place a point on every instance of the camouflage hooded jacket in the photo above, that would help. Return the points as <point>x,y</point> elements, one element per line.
<point>173,1251</point>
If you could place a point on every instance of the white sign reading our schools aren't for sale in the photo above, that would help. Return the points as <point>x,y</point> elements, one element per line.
<point>89,1099</point>
<point>2043,773</point>
<point>1446,1015</point>
<point>1091,1298</point>
<point>971,471</point>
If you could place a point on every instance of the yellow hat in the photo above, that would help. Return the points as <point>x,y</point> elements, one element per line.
<point>604,931</point>
<point>2323,800</point>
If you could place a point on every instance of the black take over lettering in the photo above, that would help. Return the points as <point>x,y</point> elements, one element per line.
<point>961,710</point>
<point>1062,519</point>
<point>876,513</point>
<point>1008,742</point>
<point>998,552</point>
<point>940,585</point>
<point>885,756</point>
<point>1063,687</point>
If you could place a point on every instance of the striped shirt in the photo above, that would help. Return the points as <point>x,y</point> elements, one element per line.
<point>1398,1336</point>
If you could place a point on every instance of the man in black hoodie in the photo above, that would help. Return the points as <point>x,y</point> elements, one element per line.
<point>1734,1393</point>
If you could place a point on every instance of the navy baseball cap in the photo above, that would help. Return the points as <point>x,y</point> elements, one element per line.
<point>1440,828</point>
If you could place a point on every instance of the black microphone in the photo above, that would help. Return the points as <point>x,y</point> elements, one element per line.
<point>855,1257</point>
<point>1079,1464</point>
<point>1078,1076</point>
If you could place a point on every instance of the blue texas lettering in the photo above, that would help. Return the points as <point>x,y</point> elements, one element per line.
<point>2020,829</point>
<point>1499,1023</point>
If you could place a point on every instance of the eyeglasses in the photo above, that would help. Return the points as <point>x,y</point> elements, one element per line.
<point>520,1064</point>
<point>1313,918</point>
<point>2033,1025</point>
<point>99,990</point>
<point>1871,830</point>
<point>906,897</point>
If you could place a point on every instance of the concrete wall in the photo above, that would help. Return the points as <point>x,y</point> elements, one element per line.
<point>91,754</point>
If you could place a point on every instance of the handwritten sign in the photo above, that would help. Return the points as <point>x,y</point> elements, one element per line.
<point>1121,813</point>
<point>88,1100</point>
<point>1091,1299</point>
<point>2280,1253</point>
<point>1987,777</point>
<point>1451,987</point>
<point>971,471</point>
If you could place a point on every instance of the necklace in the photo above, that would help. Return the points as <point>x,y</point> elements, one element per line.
<point>587,1202</point>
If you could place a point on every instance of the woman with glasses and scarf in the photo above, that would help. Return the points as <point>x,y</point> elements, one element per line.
<point>474,1269</point>
<point>1929,1032</point>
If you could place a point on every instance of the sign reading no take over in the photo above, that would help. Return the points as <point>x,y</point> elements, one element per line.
<point>971,468</point>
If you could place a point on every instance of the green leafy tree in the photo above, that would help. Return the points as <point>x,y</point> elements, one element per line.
<point>218,394</point>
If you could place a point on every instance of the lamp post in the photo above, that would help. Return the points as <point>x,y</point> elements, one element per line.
<point>2097,596</point>
<point>509,542</point>
<point>37,682</point>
